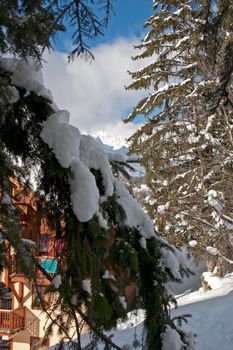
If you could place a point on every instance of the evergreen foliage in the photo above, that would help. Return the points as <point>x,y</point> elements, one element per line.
<point>28,27</point>
<point>186,141</point>
<point>89,249</point>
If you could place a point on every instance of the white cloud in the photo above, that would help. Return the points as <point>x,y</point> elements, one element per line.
<point>94,92</point>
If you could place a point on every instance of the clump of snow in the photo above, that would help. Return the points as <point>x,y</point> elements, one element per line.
<point>61,137</point>
<point>212,250</point>
<point>193,243</point>
<point>213,201</point>
<point>14,95</point>
<point>213,281</point>
<point>82,153</point>
<point>169,260</point>
<point>86,286</point>
<point>93,157</point>
<point>107,275</point>
<point>134,318</point>
<point>26,74</point>
<point>162,208</point>
<point>117,157</point>
<point>135,216</point>
<point>56,282</point>
<point>84,192</point>
<point>171,339</point>
<point>123,302</point>
<point>69,147</point>
<point>173,258</point>
<point>101,220</point>
<point>142,242</point>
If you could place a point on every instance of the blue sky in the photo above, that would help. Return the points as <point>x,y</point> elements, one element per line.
<point>127,21</point>
<point>94,92</point>
<point>129,18</point>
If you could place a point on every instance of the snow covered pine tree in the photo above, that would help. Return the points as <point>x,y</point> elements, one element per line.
<point>81,201</point>
<point>186,143</point>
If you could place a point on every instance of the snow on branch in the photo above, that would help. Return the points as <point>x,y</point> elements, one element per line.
<point>82,154</point>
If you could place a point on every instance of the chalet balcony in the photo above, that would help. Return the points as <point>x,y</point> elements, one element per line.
<point>5,304</point>
<point>12,321</point>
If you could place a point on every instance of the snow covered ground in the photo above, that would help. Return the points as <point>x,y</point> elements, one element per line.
<point>212,317</point>
<point>212,314</point>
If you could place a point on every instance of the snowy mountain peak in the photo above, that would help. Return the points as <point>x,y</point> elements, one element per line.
<point>117,141</point>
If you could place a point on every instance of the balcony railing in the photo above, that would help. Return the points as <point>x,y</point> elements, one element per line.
<point>4,345</point>
<point>5,304</point>
<point>12,321</point>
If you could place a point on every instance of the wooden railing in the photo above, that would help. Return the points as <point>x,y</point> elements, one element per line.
<point>12,321</point>
<point>4,345</point>
<point>14,269</point>
<point>5,304</point>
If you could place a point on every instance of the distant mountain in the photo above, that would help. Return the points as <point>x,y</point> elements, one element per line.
<point>120,154</point>
<point>117,141</point>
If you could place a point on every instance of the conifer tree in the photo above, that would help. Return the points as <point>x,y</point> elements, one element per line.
<point>186,140</point>
<point>84,289</point>
<point>101,227</point>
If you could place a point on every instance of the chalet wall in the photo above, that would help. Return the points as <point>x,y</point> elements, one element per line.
<point>35,321</point>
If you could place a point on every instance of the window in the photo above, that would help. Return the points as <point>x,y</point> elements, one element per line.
<point>36,344</point>
<point>59,246</point>
<point>44,244</point>
<point>40,297</point>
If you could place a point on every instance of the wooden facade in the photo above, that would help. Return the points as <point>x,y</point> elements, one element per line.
<point>21,317</point>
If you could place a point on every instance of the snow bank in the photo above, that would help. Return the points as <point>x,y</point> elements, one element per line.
<point>212,315</point>
<point>211,320</point>
<point>213,281</point>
